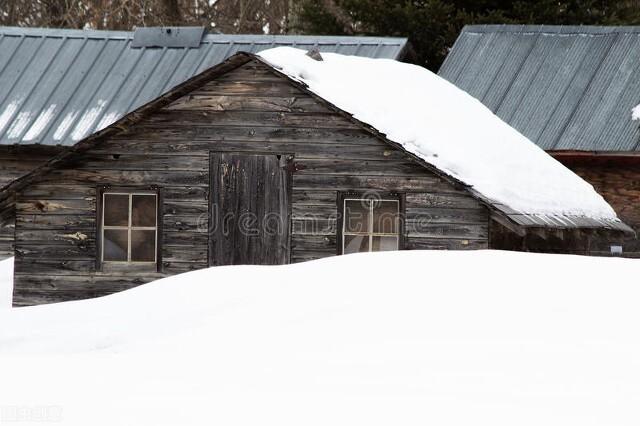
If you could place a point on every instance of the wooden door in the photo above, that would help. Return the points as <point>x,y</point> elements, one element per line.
<point>250,209</point>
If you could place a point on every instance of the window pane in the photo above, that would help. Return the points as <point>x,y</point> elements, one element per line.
<point>385,217</point>
<point>356,243</point>
<point>115,245</point>
<point>143,246</point>
<point>143,210</point>
<point>384,243</point>
<point>116,210</point>
<point>356,216</point>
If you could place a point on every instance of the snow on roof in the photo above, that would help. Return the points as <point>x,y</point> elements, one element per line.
<point>349,344</point>
<point>448,129</point>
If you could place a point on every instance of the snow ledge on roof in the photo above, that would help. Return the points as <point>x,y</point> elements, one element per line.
<point>447,128</point>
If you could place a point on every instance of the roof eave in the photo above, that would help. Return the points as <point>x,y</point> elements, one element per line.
<point>622,157</point>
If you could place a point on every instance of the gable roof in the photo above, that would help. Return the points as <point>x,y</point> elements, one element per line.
<point>515,219</point>
<point>563,87</point>
<point>59,86</point>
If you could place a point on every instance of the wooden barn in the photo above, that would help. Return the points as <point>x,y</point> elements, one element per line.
<point>245,164</point>
<point>58,86</point>
<point>571,90</point>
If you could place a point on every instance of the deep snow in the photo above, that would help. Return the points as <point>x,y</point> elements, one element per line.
<point>446,127</point>
<point>406,338</point>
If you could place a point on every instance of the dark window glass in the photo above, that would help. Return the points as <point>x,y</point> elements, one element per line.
<point>356,216</point>
<point>115,245</point>
<point>143,245</point>
<point>143,210</point>
<point>356,243</point>
<point>116,210</point>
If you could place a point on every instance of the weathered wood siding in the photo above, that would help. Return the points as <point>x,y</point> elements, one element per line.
<point>249,110</point>
<point>15,162</point>
<point>549,241</point>
<point>249,210</point>
<point>619,183</point>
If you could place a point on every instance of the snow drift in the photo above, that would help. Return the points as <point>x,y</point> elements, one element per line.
<point>407,338</point>
<point>446,127</point>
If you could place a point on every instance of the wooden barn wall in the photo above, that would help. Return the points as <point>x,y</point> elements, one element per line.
<point>249,110</point>
<point>16,161</point>
<point>619,184</point>
<point>545,241</point>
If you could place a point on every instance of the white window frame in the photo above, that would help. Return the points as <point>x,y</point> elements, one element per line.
<point>128,228</point>
<point>369,232</point>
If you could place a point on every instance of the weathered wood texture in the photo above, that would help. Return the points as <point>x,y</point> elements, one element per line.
<point>249,110</point>
<point>619,183</point>
<point>15,162</point>
<point>250,209</point>
<point>579,242</point>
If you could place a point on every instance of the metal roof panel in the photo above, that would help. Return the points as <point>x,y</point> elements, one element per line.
<point>167,37</point>
<point>572,90</point>
<point>58,86</point>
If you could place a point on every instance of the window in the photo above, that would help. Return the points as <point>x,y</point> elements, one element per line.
<point>129,227</point>
<point>370,225</point>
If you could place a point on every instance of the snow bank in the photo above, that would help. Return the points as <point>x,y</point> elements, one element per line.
<point>635,113</point>
<point>6,283</point>
<point>507,339</point>
<point>446,127</point>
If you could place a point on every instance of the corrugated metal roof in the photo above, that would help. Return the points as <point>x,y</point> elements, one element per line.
<point>564,87</point>
<point>59,86</point>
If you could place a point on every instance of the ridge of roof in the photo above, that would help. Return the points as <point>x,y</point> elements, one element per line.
<point>207,38</point>
<point>552,29</point>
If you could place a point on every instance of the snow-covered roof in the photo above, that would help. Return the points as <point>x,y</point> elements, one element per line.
<point>452,131</point>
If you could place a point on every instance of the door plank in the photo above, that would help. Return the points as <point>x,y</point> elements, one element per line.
<point>249,221</point>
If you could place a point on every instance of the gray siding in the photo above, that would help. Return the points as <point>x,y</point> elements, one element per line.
<point>14,163</point>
